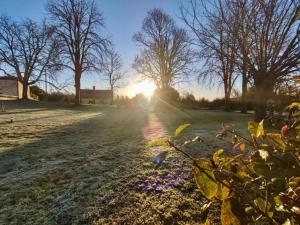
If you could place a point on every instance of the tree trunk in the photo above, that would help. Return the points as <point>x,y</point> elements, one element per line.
<point>112,96</point>
<point>244,94</point>
<point>77,88</point>
<point>263,91</point>
<point>227,100</point>
<point>24,91</point>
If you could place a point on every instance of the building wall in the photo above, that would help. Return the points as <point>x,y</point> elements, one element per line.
<point>9,88</point>
<point>97,101</point>
<point>20,87</point>
<point>20,90</point>
<point>12,89</point>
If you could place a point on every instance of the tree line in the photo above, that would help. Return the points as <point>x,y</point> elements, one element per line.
<point>72,38</point>
<point>251,43</point>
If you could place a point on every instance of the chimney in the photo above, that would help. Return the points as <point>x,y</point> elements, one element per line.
<point>94,88</point>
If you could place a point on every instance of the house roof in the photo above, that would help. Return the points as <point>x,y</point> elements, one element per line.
<point>296,79</point>
<point>8,77</point>
<point>90,93</point>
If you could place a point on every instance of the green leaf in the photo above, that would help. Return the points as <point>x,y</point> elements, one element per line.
<point>157,143</point>
<point>252,128</point>
<point>227,216</point>
<point>216,156</point>
<point>256,129</point>
<point>294,105</point>
<point>263,206</point>
<point>276,140</point>
<point>223,191</point>
<point>181,128</point>
<point>260,129</point>
<point>206,185</point>
<point>259,165</point>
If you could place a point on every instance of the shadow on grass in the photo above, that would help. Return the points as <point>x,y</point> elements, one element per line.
<point>54,179</point>
<point>205,120</point>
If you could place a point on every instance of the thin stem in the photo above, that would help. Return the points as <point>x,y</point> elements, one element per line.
<point>264,214</point>
<point>240,136</point>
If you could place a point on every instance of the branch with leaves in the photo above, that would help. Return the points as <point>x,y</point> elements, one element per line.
<point>260,179</point>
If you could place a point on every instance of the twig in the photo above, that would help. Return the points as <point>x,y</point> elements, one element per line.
<point>264,214</point>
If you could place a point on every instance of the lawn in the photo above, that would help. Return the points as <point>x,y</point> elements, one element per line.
<point>89,165</point>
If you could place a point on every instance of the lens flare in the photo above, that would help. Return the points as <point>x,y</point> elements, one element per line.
<point>145,87</point>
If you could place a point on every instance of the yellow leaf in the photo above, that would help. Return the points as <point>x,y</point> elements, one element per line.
<point>205,181</point>
<point>227,216</point>
<point>276,140</point>
<point>223,191</point>
<point>216,156</point>
<point>260,129</point>
<point>207,222</point>
<point>181,128</point>
<point>252,127</point>
<point>256,129</point>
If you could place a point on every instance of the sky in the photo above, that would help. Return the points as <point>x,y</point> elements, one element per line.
<point>123,18</point>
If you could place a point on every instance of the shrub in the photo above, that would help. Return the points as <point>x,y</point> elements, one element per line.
<point>203,103</point>
<point>166,98</point>
<point>188,101</point>
<point>217,103</point>
<point>259,182</point>
<point>37,92</point>
<point>140,101</point>
<point>60,97</point>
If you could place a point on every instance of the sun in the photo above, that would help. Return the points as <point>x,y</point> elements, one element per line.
<point>145,87</point>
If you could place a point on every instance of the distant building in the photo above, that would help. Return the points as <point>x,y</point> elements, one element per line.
<point>11,87</point>
<point>93,96</point>
<point>296,79</point>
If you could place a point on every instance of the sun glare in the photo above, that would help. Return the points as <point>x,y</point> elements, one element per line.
<point>145,87</point>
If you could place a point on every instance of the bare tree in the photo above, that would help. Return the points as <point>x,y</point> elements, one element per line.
<point>274,45</point>
<point>27,50</point>
<point>166,55</point>
<point>214,44</point>
<point>78,27</point>
<point>268,41</point>
<point>112,69</point>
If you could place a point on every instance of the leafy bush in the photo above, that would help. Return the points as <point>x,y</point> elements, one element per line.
<point>260,181</point>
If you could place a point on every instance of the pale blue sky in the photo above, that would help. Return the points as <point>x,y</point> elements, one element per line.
<point>123,19</point>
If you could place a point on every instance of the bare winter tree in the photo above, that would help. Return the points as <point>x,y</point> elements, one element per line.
<point>78,27</point>
<point>166,55</point>
<point>112,69</point>
<point>268,41</point>
<point>27,50</point>
<point>215,46</point>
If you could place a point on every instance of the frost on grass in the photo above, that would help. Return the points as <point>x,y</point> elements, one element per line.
<point>89,165</point>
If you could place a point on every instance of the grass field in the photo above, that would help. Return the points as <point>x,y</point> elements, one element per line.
<point>89,165</point>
